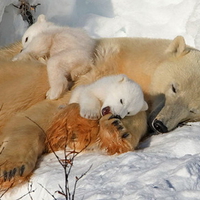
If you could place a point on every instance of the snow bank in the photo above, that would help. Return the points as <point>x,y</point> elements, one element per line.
<point>166,166</point>
<point>110,18</point>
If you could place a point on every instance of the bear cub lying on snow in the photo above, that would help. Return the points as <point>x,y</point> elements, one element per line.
<point>68,52</point>
<point>116,94</point>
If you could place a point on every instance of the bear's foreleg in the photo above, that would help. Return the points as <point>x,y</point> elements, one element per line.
<point>71,130</point>
<point>22,141</point>
<point>110,134</point>
<point>20,148</point>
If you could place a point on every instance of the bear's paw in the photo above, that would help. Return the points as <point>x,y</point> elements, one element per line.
<point>114,136</point>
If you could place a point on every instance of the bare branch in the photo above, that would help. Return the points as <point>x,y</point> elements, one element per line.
<point>67,164</point>
<point>6,190</point>
<point>77,179</point>
<point>30,190</point>
<point>48,191</point>
<point>46,138</point>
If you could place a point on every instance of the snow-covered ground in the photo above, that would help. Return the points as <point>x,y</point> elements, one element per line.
<point>167,167</point>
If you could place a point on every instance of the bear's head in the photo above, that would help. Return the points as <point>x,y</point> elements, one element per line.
<point>38,27</point>
<point>125,97</point>
<point>176,88</point>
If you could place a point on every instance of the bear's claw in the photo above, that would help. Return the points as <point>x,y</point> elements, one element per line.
<point>125,135</point>
<point>21,171</point>
<point>8,175</point>
<point>114,116</point>
<point>115,138</point>
<point>114,124</point>
<point>118,125</point>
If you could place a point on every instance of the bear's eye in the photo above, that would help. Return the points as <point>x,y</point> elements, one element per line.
<point>173,88</point>
<point>193,111</point>
<point>26,39</point>
<point>121,101</point>
<point>128,113</point>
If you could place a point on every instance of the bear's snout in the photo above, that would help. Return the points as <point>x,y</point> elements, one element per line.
<point>159,126</point>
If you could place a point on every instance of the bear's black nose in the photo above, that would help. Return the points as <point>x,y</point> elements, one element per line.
<point>159,126</point>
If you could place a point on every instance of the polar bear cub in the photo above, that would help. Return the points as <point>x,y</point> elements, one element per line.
<point>116,94</point>
<point>68,52</point>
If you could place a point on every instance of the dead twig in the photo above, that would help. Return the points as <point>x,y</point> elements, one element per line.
<point>67,164</point>
<point>30,190</point>
<point>26,10</point>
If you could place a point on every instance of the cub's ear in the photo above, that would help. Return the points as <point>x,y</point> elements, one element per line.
<point>41,18</point>
<point>178,46</point>
<point>145,106</point>
<point>122,77</point>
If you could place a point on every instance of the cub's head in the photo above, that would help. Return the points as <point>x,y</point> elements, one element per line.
<point>125,98</point>
<point>38,27</point>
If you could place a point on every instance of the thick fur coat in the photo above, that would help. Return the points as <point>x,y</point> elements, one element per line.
<point>167,71</point>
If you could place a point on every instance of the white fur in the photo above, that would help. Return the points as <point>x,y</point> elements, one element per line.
<point>68,52</point>
<point>121,94</point>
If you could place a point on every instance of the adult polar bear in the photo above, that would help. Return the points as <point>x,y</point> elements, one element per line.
<point>168,72</point>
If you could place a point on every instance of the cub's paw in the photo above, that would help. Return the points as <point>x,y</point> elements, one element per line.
<point>92,114</point>
<point>53,94</point>
<point>114,137</point>
<point>57,90</point>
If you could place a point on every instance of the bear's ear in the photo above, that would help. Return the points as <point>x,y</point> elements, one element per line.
<point>41,18</point>
<point>177,46</point>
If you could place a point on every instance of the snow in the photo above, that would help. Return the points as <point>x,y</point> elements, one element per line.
<point>166,166</point>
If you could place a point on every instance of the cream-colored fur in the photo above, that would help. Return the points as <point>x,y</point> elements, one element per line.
<point>167,71</point>
<point>116,94</point>
<point>68,52</point>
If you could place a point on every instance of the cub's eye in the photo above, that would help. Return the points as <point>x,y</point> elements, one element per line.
<point>173,88</point>
<point>128,113</point>
<point>26,39</point>
<point>121,101</point>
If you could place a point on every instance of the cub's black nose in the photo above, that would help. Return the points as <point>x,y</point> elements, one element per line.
<point>159,126</point>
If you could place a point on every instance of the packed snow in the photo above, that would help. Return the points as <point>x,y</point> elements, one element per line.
<point>167,166</point>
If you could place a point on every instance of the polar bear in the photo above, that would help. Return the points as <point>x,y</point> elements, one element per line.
<point>116,94</point>
<point>68,52</point>
<point>167,71</point>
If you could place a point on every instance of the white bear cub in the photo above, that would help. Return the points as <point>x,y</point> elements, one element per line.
<point>116,94</point>
<point>68,52</point>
